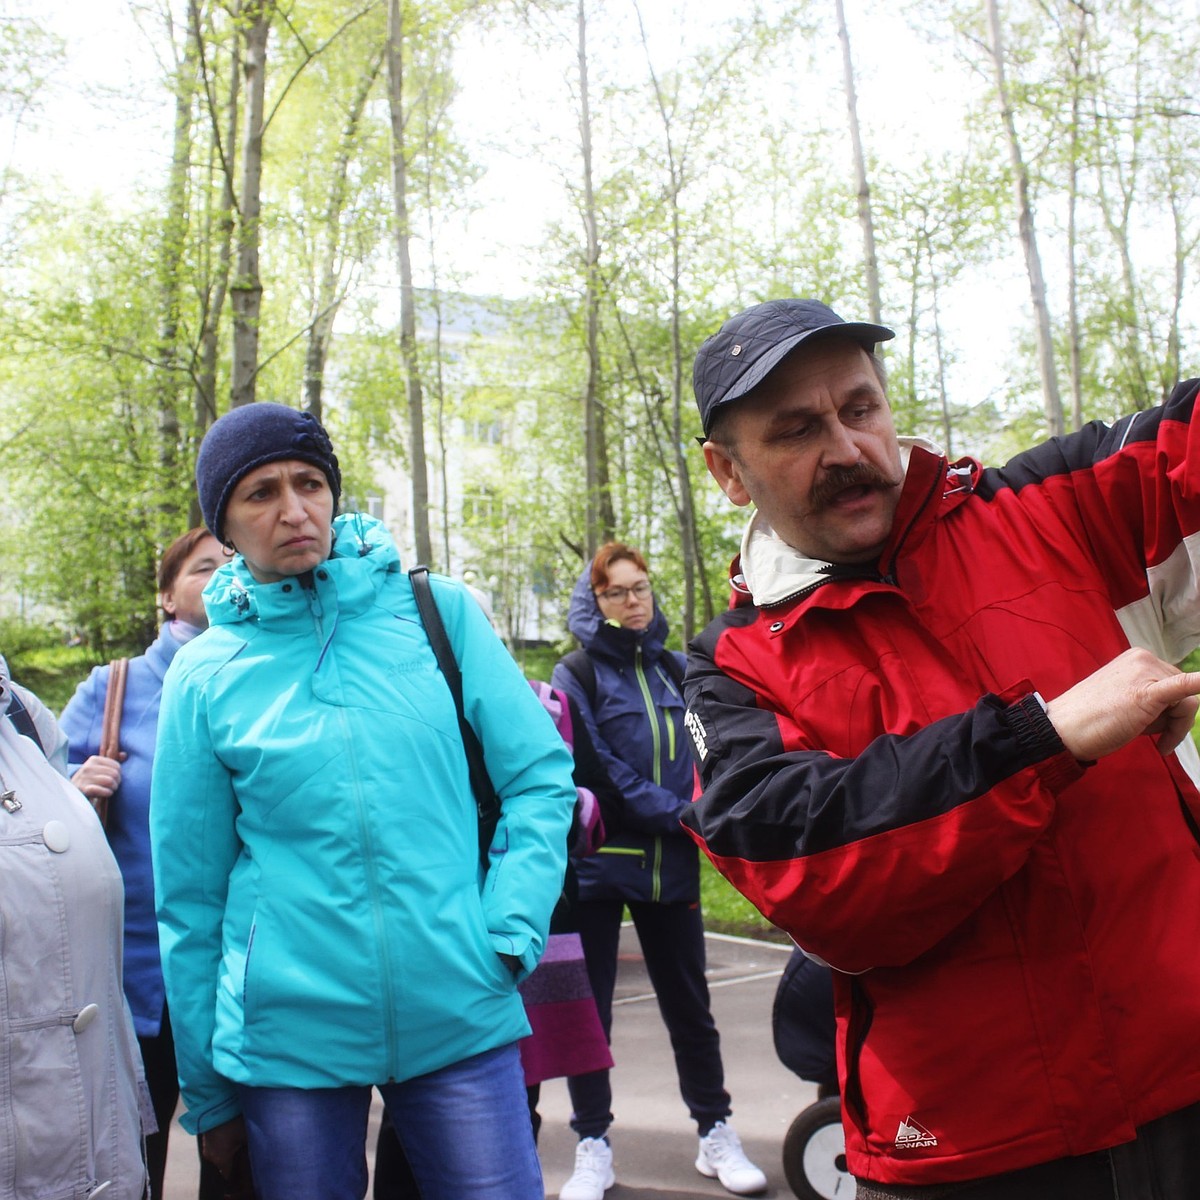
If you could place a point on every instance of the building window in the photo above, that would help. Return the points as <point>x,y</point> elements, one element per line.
<point>478,505</point>
<point>484,432</point>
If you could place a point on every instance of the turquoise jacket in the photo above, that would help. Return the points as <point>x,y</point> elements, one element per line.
<point>324,919</point>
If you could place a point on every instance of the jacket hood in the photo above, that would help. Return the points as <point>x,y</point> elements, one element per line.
<point>610,640</point>
<point>771,571</point>
<point>362,555</point>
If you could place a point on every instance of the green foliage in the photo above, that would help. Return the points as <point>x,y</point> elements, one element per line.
<point>83,454</point>
<point>47,660</point>
<point>538,662</point>
<point>728,911</point>
<point>721,176</point>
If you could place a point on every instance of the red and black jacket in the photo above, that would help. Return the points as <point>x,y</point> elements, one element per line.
<point>1017,935</point>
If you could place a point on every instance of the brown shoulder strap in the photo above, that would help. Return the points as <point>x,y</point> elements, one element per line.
<point>110,724</point>
<point>114,702</point>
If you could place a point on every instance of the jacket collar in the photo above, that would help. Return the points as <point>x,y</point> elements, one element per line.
<point>161,651</point>
<point>362,556</point>
<point>768,571</point>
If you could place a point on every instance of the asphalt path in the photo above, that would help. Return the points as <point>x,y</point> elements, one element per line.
<point>653,1139</point>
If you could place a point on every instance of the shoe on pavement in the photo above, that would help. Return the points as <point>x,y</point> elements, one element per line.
<point>722,1158</point>
<point>593,1174</point>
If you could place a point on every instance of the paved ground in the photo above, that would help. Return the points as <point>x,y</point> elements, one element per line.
<point>654,1142</point>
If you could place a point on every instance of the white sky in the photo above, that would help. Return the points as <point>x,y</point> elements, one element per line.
<point>105,122</point>
<point>105,125</point>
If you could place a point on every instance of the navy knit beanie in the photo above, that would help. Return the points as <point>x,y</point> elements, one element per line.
<point>250,436</point>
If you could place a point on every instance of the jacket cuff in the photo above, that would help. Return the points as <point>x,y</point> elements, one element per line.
<point>1040,743</point>
<point>210,1116</point>
<point>523,949</point>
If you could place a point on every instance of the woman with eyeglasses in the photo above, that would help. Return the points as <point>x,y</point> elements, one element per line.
<point>627,685</point>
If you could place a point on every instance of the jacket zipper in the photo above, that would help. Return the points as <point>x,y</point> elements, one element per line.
<point>648,701</point>
<point>938,484</point>
<point>862,1015</point>
<point>656,740</point>
<point>377,915</point>
<point>803,593</point>
<point>670,725</point>
<point>368,859</point>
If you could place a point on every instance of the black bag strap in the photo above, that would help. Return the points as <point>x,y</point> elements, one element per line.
<point>18,714</point>
<point>487,803</point>
<point>579,663</point>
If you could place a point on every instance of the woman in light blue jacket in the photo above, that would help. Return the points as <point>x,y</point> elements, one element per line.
<point>325,923</point>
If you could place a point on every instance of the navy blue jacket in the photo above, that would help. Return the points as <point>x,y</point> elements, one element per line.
<point>636,724</point>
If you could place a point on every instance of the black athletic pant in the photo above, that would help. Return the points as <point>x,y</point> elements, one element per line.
<point>158,1061</point>
<point>672,940</point>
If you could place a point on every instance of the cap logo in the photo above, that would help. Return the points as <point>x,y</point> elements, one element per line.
<point>735,352</point>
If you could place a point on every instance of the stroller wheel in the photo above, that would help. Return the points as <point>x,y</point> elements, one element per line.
<point>814,1154</point>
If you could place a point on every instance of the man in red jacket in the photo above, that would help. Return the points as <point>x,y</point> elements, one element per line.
<point>942,744</point>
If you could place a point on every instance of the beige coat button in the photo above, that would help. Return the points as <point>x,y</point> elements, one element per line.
<point>87,1014</point>
<point>56,836</point>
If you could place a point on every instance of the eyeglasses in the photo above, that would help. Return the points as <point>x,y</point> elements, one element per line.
<point>618,595</point>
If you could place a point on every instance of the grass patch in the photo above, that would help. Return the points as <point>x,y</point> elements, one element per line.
<point>726,910</point>
<point>40,658</point>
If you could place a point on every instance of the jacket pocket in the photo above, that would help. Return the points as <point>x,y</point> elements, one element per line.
<point>628,852</point>
<point>862,1014</point>
<point>49,1111</point>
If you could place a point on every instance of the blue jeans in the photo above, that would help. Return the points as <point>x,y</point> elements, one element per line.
<point>465,1130</point>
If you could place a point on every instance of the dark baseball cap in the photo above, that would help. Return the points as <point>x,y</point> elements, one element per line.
<point>749,346</point>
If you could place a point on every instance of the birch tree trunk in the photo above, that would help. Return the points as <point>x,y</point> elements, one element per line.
<point>600,520</point>
<point>167,382</point>
<point>1117,206</point>
<point>1075,52</point>
<point>681,494</point>
<point>1183,246</point>
<point>429,126</point>
<point>688,540</point>
<point>246,292</point>
<point>1073,274</point>
<point>861,186</point>
<point>327,300</point>
<point>408,319</point>
<point>218,221</point>
<point>940,356</point>
<point>1051,399</point>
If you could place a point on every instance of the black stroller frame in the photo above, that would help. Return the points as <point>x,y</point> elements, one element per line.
<point>802,1024</point>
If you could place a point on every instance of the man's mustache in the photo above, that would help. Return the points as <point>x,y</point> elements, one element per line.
<point>838,479</point>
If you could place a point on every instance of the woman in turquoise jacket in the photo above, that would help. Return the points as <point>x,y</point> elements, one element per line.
<point>325,922</point>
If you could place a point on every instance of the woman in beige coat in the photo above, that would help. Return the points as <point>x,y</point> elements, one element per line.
<point>71,1122</point>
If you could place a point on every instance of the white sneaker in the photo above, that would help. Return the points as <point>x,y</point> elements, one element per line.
<point>722,1158</point>
<point>593,1174</point>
